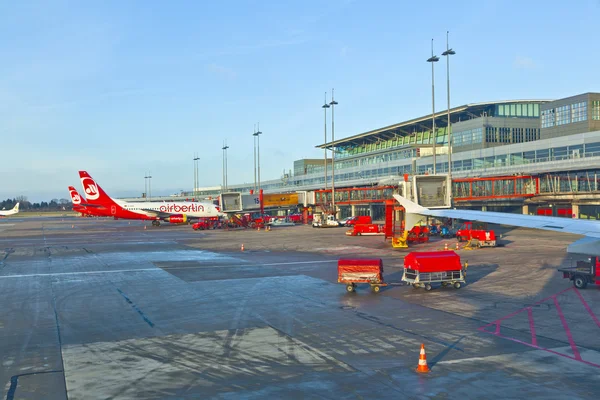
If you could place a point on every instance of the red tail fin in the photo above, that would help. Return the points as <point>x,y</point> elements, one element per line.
<point>75,197</point>
<point>93,192</point>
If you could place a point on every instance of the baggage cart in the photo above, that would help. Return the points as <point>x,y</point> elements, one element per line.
<point>354,271</point>
<point>424,269</point>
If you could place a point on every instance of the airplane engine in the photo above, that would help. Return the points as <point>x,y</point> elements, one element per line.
<point>177,219</point>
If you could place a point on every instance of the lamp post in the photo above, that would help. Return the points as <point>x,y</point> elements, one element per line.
<point>257,134</point>
<point>196,158</point>
<point>448,53</point>
<point>146,187</point>
<point>433,59</point>
<point>224,148</point>
<point>333,103</point>
<point>149,193</point>
<point>325,107</point>
<point>254,135</point>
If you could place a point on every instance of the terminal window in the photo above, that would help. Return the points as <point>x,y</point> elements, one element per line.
<point>596,110</point>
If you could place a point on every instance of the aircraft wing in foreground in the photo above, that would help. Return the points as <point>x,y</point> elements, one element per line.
<point>590,229</point>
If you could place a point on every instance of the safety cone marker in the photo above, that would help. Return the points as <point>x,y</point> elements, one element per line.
<point>72,226</point>
<point>445,246</point>
<point>422,367</point>
<point>242,246</point>
<point>457,246</point>
<point>144,227</point>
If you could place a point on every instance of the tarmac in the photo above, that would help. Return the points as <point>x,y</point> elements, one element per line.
<point>105,309</point>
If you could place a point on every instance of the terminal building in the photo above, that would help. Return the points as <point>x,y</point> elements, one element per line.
<point>530,156</point>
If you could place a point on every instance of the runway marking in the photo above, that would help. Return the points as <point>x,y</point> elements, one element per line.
<point>80,273</point>
<point>14,380</point>
<point>152,269</point>
<point>251,265</point>
<point>576,355</point>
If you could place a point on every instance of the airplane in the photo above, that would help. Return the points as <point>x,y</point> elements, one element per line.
<point>173,212</point>
<point>589,245</point>
<point>85,208</point>
<point>6,213</point>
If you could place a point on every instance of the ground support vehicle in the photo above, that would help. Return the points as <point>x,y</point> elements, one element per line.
<point>424,269</point>
<point>478,236</point>
<point>585,272</point>
<point>359,219</point>
<point>365,229</point>
<point>327,221</point>
<point>353,271</point>
<point>418,234</point>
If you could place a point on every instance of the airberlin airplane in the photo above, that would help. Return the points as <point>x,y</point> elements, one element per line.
<point>85,208</point>
<point>177,212</point>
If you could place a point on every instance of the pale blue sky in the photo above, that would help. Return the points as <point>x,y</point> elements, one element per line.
<point>122,87</point>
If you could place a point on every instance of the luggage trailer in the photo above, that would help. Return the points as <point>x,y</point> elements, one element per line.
<point>424,269</point>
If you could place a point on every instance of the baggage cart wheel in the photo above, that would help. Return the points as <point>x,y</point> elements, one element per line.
<point>427,287</point>
<point>457,285</point>
<point>350,288</point>
<point>375,289</point>
<point>444,284</point>
<point>579,282</point>
<point>415,286</point>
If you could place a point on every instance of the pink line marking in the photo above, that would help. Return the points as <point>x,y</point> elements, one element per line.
<point>567,330</point>
<point>588,308</point>
<point>545,349</point>
<point>532,327</point>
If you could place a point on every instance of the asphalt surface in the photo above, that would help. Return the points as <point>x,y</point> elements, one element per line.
<point>97,308</point>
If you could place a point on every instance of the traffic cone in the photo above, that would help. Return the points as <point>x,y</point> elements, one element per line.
<point>422,367</point>
<point>242,246</point>
<point>457,246</point>
<point>72,226</point>
<point>445,246</point>
<point>144,227</point>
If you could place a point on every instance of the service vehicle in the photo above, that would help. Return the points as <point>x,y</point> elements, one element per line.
<point>326,221</point>
<point>354,271</point>
<point>426,268</point>
<point>359,219</point>
<point>366,229</point>
<point>477,235</point>
<point>583,273</point>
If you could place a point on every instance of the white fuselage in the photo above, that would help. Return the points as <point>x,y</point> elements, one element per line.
<point>191,209</point>
<point>5,213</point>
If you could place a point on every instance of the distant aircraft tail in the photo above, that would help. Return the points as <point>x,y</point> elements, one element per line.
<point>16,208</point>
<point>75,197</point>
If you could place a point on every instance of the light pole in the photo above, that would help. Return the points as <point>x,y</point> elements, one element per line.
<point>146,187</point>
<point>148,177</point>
<point>254,135</point>
<point>448,53</point>
<point>257,134</point>
<point>224,148</point>
<point>325,107</point>
<point>433,59</point>
<point>333,103</point>
<point>196,158</point>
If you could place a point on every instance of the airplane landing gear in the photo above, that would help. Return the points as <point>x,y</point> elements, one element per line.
<point>155,223</point>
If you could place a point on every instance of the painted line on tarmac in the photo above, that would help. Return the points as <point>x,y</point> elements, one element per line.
<point>250,265</point>
<point>80,273</point>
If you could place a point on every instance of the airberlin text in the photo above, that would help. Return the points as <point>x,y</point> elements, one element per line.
<point>178,208</point>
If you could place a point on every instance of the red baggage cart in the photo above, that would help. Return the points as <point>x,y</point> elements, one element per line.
<point>353,271</point>
<point>421,269</point>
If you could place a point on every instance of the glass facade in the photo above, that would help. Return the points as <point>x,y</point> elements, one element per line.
<point>596,110</point>
<point>463,138</point>
<point>567,114</point>
<point>523,110</point>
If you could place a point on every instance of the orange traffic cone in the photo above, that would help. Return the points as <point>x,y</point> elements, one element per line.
<point>445,246</point>
<point>422,367</point>
<point>72,226</point>
<point>457,246</point>
<point>144,227</point>
<point>242,246</point>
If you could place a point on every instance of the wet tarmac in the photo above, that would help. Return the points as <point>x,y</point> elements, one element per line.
<point>97,308</point>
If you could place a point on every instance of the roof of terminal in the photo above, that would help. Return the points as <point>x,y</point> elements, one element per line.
<point>460,113</point>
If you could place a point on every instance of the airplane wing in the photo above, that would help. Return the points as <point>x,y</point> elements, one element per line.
<point>567,225</point>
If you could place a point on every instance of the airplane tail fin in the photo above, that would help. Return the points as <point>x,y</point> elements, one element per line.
<point>75,197</point>
<point>16,208</point>
<point>94,194</point>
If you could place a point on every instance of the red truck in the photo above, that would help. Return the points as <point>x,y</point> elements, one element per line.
<point>422,269</point>
<point>479,235</point>
<point>365,229</point>
<point>353,271</point>
<point>585,272</point>
<point>359,219</point>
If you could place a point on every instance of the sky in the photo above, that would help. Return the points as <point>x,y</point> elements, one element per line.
<point>123,88</point>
